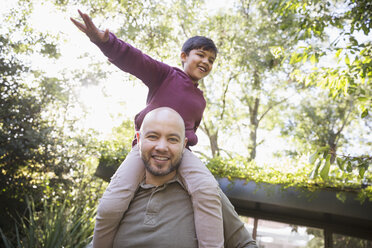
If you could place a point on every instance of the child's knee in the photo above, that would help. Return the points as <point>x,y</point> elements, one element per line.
<point>208,185</point>
<point>110,209</point>
<point>207,190</point>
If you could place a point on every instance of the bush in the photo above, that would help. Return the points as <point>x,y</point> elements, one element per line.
<point>55,225</point>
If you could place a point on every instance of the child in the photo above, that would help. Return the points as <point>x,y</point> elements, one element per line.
<point>177,89</point>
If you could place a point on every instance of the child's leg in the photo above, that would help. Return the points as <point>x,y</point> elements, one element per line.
<point>206,200</point>
<point>116,199</point>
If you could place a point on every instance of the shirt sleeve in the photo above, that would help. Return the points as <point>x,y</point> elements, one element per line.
<point>236,235</point>
<point>132,60</point>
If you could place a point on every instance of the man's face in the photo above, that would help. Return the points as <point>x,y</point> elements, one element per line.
<point>161,144</point>
<point>198,63</point>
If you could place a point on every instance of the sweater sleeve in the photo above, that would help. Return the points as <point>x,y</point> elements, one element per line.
<point>132,60</point>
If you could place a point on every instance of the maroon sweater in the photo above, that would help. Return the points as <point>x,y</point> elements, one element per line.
<point>168,86</point>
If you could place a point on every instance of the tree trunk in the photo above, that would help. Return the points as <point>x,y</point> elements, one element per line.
<point>253,112</point>
<point>213,141</point>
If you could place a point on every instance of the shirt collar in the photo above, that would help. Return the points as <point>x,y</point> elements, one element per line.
<point>175,179</point>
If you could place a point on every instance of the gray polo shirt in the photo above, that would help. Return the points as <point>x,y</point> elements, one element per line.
<point>163,217</point>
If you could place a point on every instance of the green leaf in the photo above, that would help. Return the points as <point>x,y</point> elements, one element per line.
<point>294,58</point>
<point>338,52</point>
<point>349,168</point>
<point>347,60</point>
<point>325,170</point>
<point>314,173</point>
<point>313,157</point>
<point>304,59</point>
<point>313,59</point>
<point>363,98</point>
<point>364,113</point>
<point>341,196</point>
<point>362,170</point>
<point>340,163</point>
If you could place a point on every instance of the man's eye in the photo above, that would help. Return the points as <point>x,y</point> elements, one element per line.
<point>173,140</point>
<point>152,137</point>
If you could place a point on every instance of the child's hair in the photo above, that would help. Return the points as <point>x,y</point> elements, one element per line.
<point>198,42</point>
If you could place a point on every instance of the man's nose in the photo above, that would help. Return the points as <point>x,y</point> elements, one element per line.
<point>162,145</point>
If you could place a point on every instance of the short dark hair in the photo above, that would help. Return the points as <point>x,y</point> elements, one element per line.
<point>198,42</point>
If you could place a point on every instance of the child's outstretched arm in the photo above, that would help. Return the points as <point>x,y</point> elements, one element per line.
<point>95,35</point>
<point>123,55</point>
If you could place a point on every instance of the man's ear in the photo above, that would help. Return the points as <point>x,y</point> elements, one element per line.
<point>185,143</point>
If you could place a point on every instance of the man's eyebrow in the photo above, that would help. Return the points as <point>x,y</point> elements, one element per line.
<point>175,134</point>
<point>150,132</point>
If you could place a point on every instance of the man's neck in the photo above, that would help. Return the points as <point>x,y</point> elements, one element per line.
<point>158,180</point>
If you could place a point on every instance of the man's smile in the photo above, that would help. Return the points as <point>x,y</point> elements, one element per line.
<point>161,158</point>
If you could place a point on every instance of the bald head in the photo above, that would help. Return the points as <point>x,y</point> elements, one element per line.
<point>168,116</point>
<point>161,141</point>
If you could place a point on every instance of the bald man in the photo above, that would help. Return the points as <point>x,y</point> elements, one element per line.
<point>161,143</point>
<point>161,212</point>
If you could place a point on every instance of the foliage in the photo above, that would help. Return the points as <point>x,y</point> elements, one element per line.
<point>322,121</point>
<point>352,73</point>
<point>54,225</point>
<point>291,174</point>
<point>248,83</point>
<point>27,141</point>
<point>113,151</point>
<point>342,67</point>
<point>43,154</point>
<point>341,241</point>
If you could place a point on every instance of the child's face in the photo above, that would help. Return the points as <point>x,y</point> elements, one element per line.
<point>198,63</point>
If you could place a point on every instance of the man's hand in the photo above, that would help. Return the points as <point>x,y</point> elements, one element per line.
<point>94,34</point>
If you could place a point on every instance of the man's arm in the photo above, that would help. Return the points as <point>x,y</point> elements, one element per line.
<point>236,235</point>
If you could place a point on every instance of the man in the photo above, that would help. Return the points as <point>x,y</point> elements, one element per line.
<point>161,213</point>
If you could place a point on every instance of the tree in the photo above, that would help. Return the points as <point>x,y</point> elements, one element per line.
<point>320,121</point>
<point>26,138</point>
<point>348,73</point>
<point>255,65</point>
<point>352,75</point>
<point>40,156</point>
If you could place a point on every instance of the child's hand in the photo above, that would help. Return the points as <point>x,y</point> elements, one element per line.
<point>94,34</point>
